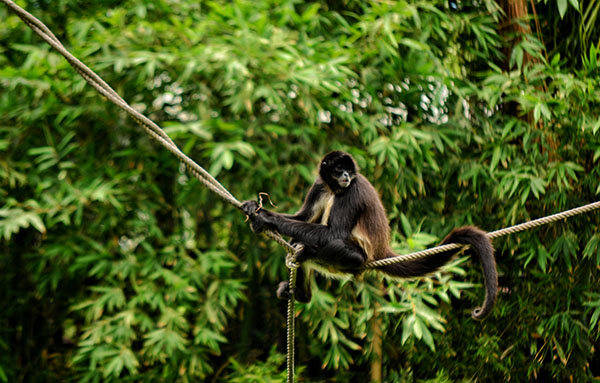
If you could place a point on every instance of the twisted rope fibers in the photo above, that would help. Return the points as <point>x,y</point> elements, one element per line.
<point>159,135</point>
<point>212,184</point>
<point>290,262</point>
<point>148,125</point>
<point>494,234</point>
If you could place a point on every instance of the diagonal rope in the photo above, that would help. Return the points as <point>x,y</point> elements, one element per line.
<point>159,135</point>
<point>211,183</point>
<point>101,86</point>
<point>148,125</point>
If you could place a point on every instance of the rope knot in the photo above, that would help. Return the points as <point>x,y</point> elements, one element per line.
<point>290,258</point>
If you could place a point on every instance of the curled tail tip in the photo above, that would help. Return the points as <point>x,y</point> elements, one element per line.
<point>482,246</point>
<point>483,311</point>
<point>480,313</point>
<point>476,313</point>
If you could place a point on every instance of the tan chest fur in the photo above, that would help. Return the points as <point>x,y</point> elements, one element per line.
<point>321,212</point>
<point>322,209</point>
<point>361,239</point>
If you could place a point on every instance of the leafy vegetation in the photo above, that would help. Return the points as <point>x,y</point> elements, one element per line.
<point>117,266</point>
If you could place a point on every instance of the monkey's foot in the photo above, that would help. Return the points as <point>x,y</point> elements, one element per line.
<point>284,291</point>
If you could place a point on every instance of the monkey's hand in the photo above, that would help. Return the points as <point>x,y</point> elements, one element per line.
<point>258,217</point>
<point>250,208</point>
<point>284,291</point>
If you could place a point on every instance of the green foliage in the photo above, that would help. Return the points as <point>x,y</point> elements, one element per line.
<point>117,266</point>
<point>268,371</point>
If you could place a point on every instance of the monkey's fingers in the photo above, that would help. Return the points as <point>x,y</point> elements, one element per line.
<point>260,200</point>
<point>283,291</point>
<point>250,208</point>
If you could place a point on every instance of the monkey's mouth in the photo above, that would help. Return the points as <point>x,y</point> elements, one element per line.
<point>344,182</point>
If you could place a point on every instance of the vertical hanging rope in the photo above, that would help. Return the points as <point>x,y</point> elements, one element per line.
<point>157,133</point>
<point>290,262</point>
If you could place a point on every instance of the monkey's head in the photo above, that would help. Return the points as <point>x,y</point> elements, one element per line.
<point>338,170</point>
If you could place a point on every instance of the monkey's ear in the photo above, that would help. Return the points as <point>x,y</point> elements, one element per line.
<point>324,163</point>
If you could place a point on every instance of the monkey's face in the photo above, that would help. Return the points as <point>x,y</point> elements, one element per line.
<point>338,170</point>
<point>343,176</point>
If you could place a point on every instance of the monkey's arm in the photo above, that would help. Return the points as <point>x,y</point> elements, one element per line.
<point>306,211</point>
<point>312,234</point>
<point>305,232</point>
<point>251,208</point>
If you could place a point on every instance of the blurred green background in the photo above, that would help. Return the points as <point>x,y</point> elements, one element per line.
<point>117,266</point>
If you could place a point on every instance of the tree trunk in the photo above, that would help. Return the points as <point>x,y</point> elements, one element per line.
<point>376,363</point>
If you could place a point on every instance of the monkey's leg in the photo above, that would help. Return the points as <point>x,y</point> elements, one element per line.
<point>302,292</point>
<point>342,254</point>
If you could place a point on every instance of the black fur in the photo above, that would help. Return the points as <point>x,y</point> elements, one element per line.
<point>356,230</point>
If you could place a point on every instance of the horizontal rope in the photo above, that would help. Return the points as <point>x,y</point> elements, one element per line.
<point>494,234</point>
<point>207,179</point>
<point>211,183</point>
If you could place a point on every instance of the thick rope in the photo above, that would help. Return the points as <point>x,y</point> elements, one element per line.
<point>290,262</point>
<point>102,87</point>
<point>159,135</point>
<point>148,125</point>
<point>211,183</point>
<point>494,234</point>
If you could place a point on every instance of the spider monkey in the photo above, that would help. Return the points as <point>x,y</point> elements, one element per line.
<point>343,224</point>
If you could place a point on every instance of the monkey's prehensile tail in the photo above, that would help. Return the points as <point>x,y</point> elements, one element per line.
<point>480,245</point>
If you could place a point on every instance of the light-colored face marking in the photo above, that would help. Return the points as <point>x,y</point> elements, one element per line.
<point>345,179</point>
